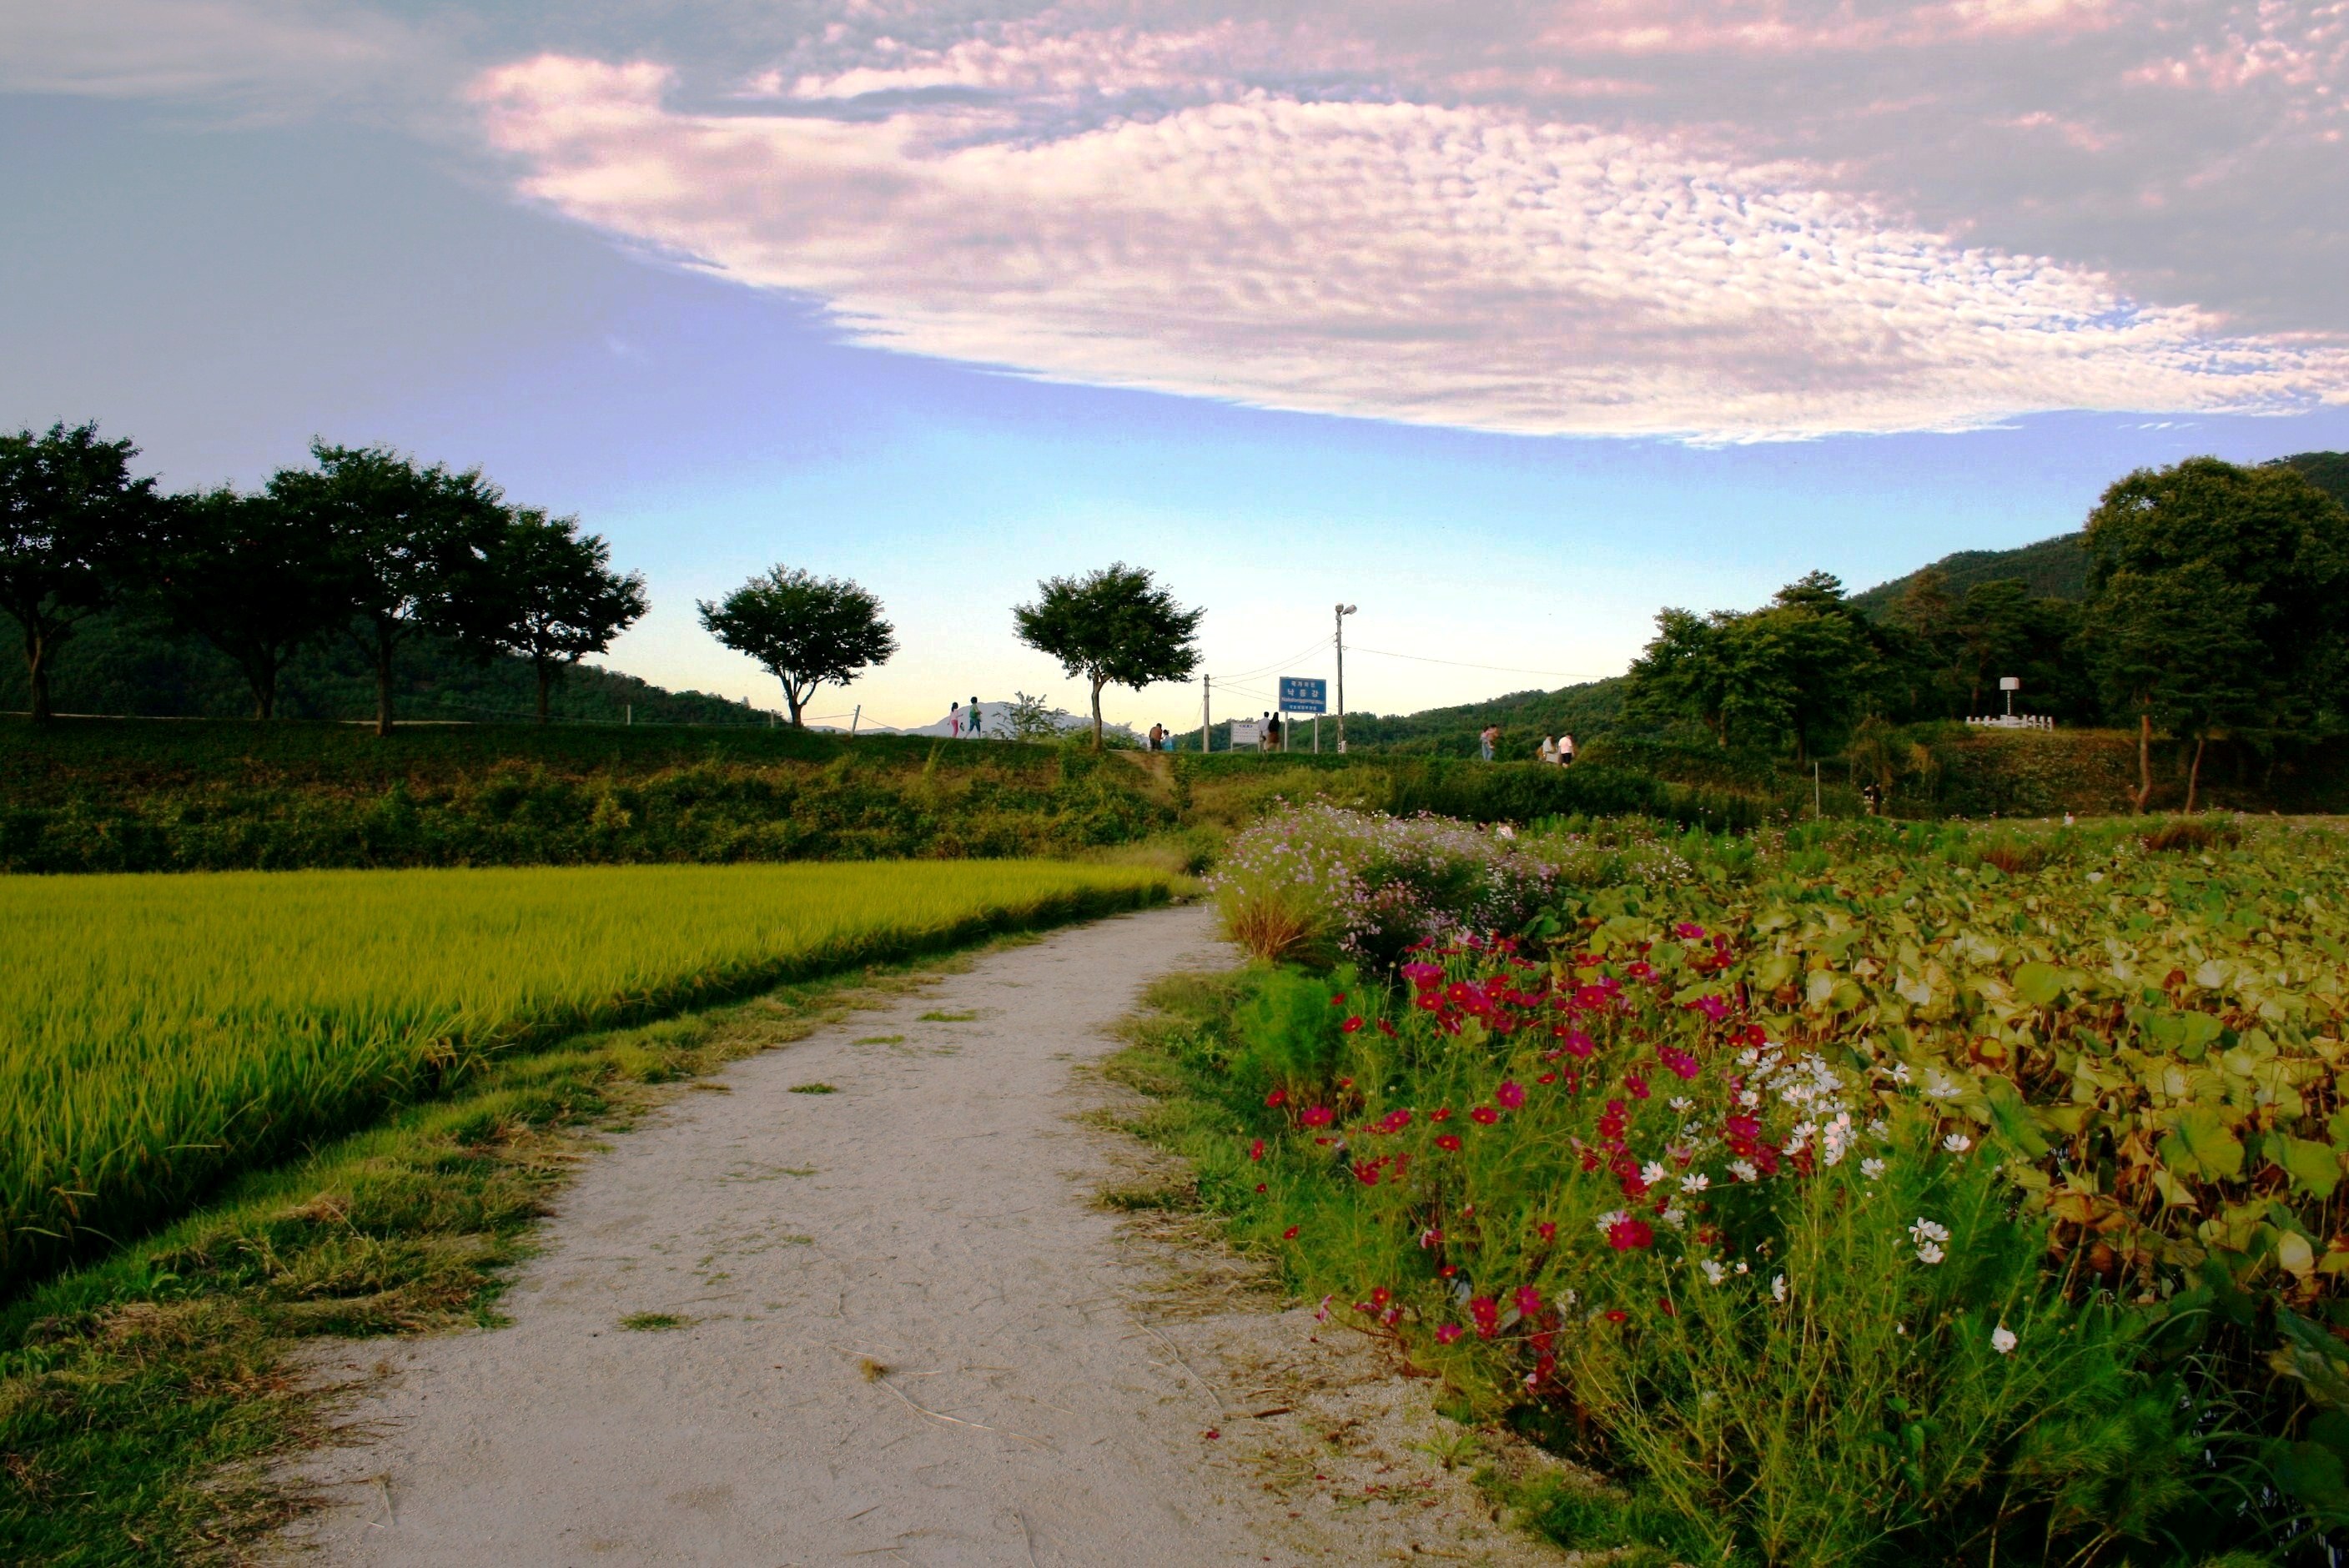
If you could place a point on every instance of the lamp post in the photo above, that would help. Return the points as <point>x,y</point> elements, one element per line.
<point>1343,610</point>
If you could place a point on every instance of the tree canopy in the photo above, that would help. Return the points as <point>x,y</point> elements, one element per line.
<point>1114,627</point>
<point>75,527</point>
<point>547,593</point>
<point>252,579</point>
<point>808,630</point>
<point>404,540</point>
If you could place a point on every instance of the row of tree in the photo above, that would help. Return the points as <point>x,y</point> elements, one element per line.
<point>2218,602</point>
<point>363,543</point>
<point>1116,627</point>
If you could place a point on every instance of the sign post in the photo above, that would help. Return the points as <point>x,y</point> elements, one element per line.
<point>1304,694</point>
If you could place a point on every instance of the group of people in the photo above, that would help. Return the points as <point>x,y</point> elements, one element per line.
<point>1556,749</point>
<point>962,721</point>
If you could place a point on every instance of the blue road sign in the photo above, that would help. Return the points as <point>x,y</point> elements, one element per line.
<point>1304,694</point>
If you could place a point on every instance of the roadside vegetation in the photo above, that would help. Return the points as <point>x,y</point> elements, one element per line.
<point>169,1033</point>
<point>1845,1193</point>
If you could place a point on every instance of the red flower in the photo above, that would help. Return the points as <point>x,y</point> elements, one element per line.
<point>1260,1187</point>
<point>1442,1114</point>
<point>1447,1334</point>
<point>1483,1116</point>
<point>1547,1079</point>
<point>1338,1000</point>
<point>1353,1024</point>
<point>1318,1116</point>
<point>1256,1150</point>
<point>1278,1096</point>
<point>1381,1296</point>
<point>1448,1142</point>
<point>1637,1085</point>
<point>1580,1043</point>
<point>1546,1230</point>
<point>1628,1235</point>
<point>1510,1094</point>
<point>1386,1029</point>
<point>1366,1171</point>
<point>1617,1314</point>
<point>1529,1304</point>
<point>1289,1234</point>
<point>1488,1314</point>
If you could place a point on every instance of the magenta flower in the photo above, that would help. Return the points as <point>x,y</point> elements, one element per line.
<point>1510,1094</point>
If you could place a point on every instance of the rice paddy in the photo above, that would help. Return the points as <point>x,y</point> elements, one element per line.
<point>161,1034</point>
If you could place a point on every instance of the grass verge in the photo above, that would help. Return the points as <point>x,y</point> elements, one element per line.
<point>144,1398</point>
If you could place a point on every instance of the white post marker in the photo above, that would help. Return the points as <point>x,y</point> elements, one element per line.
<point>1343,610</point>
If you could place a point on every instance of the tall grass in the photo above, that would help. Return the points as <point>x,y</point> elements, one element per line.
<point>158,1033</point>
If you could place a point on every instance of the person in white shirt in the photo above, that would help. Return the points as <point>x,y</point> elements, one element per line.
<point>1566,752</point>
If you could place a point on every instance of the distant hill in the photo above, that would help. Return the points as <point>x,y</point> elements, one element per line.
<point>2056,568</point>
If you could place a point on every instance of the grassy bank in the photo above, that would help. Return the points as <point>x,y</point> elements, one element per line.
<point>170,1032</point>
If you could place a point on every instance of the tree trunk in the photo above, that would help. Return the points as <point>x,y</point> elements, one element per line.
<point>260,667</point>
<point>792,699</point>
<point>2143,759</point>
<point>2194,774</point>
<point>1098,684</point>
<point>383,641</point>
<point>37,646</point>
<point>545,679</point>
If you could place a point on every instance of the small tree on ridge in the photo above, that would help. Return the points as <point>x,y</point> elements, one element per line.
<point>1113,625</point>
<point>808,630</point>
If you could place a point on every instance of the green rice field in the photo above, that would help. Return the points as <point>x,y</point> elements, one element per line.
<point>161,1034</point>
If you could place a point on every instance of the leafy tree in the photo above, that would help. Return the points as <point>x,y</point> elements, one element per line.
<point>2181,649</point>
<point>2218,600</point>
<point>1683,672</point>
<point>249,578</point>
<point>403,540</point>
<point>1115,624</point>
<point>546,592</point>
<point>1028,718</point>
<point>74,530</point>
<point>808,630</point>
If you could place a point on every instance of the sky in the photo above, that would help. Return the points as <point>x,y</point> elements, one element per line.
<point>1508,323</point>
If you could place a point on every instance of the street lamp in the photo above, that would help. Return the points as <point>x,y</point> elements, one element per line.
<point>1343,610</point>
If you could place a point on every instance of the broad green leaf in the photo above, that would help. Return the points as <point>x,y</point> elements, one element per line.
<point>2314,1167</point>
<point>2039,983</point>
<point>2201,1143</point>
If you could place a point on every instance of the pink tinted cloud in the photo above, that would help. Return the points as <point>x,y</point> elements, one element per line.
<point>1458,265</point>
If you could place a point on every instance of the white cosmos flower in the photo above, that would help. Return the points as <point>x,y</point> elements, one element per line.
<point>1900,1072</point>
<point>1930,1252</point>
<point>1742,1268</point>
<point>1653,1174</point>
<point>1714,1273</point>
<point>2002,1339</point>
<point>1744,1171</point>
<point>1681,1103</point>
<point>1925,1231</point>
<point>1610,1220</point>
<point>1749,1098</point>
<point>1695,1181</point>
<point>1957,1143</point>
<point>1871,1167</point>
<point>1779,1288</point>
<point>1880,1131</point>
<point>1674,1216</point>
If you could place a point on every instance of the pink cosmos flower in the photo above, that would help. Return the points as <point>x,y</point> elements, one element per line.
<point>1510,1094</point>
<point>1530,1302</point>
<point>1546,1230</point>
<point>1318,1116</point>
<point>1278,1096</point>
<point>1447,1334</point>
<point>1488,1314</point>
<point>1628,1235</point>
<point>1689,931</point>
<point>1637,1085</point>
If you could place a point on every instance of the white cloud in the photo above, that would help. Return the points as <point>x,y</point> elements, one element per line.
<point>1470,264</point>
<point>257,55</point>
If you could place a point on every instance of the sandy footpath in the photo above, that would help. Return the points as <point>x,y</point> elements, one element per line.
<point>909,1334</point>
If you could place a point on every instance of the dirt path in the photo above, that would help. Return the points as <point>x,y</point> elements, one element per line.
<point>904,1334</point>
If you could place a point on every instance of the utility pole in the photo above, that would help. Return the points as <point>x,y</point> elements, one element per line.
<point>1207,714</point>
<point>1343,610</point>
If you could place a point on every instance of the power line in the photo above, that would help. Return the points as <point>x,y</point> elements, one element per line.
<point>1290,663</point>
<point>1462,664</point>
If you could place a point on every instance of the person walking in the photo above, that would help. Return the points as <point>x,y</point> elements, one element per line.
<point>975,720</point>
<point>953,719</point>
<point>1566,752</point>
<point>1548,752</point>
<point>1272,732</point>
<point>1490,738</point>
